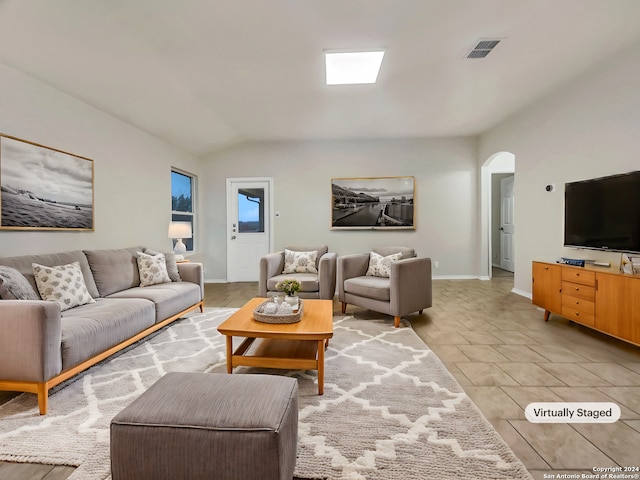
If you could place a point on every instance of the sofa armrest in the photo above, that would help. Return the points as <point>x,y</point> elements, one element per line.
<point>350,266</point>
<point>271,265</point>
<point>192,272</point>
<point>410,286</point>
<point>31,339</point>
<point>327,275</point>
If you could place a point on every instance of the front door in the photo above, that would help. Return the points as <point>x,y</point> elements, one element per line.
<point>249,236</point>
<point>506,224</point>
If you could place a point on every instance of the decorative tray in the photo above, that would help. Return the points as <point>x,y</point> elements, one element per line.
<point>260,315</point>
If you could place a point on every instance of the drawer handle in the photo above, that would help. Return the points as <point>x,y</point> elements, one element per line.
<point>577,303</point>
<point>577,289</point>
<point>577,314</point>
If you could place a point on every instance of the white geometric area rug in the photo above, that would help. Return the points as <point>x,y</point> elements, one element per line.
<point>390,408</point>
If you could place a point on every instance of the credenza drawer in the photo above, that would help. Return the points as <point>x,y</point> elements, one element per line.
<point>576,315</point>
<point>579,304</point>
<point>577,275</point>
<point>578,290</point>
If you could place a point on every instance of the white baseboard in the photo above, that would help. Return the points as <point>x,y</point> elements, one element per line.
<point>522,293</point>
<point>215,280</point>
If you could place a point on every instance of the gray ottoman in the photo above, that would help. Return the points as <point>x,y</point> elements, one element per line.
<point>205,426</point>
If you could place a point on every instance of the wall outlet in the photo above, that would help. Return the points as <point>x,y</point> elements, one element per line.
<point>436,264</point>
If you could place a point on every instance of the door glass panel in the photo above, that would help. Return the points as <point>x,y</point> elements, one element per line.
<point>251,210</point>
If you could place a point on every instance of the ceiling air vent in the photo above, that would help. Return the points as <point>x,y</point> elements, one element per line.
<point>482,48</point>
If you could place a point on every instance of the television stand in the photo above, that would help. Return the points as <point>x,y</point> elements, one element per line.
<point>603,300</point>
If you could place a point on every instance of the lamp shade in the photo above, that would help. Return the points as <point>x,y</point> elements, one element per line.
<point>180,230</point>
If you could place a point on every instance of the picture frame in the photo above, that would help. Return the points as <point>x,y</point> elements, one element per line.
<point>374,203</point>
<point>43,188</point>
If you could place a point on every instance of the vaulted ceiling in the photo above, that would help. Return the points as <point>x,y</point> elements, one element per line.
<point>205,74</point>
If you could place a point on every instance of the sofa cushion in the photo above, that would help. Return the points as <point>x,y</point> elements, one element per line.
<point>169,298</point>
<point>114,270</point>
<point>380,266</point>
<point>377,288</point>
<point>152,269</point>
<point>14,286</point>
<point>300,262</point>
<point>88,330</point>
<point>24,264</point>
<point>308,281</point>
<point>62,284</point>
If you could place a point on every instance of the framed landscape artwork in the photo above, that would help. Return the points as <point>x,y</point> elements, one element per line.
<point>42,188</point>
<point>381,203</point>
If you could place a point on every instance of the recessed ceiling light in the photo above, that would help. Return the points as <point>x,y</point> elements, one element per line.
<point>350,68</point>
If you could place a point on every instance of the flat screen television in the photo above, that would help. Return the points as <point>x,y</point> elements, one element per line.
<point>603,213</point>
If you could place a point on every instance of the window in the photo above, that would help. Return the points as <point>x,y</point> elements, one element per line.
<point>183,201</point>
<point>251,210</point>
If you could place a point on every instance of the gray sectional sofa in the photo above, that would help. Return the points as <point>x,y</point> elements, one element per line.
<point>42,345</point>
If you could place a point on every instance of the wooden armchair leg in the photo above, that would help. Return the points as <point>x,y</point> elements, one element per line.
<point>396,322</point>
<point>344,307</point>
<point>420,312</point>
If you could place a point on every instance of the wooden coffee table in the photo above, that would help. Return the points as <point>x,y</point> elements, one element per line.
<point>290,346</point>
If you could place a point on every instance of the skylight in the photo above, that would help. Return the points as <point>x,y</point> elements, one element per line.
<point>350,68</point>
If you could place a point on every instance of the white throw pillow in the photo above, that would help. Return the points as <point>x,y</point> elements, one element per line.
<point>300,262</point>
<point>63,284</point>
<point>153,269</point>
<point>380,266</point>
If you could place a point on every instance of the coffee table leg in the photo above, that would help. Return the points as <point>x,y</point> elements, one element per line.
<point>321,344</point>
<point>229,339</point>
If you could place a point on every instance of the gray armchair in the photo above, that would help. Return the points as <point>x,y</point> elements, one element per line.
<point>406,290</point>
<point>321,285</point>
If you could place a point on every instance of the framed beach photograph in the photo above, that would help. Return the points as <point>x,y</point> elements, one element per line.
<point>380,203</point>
<point>42,188</point>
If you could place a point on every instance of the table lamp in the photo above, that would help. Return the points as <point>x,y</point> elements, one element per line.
<point>180,230</point>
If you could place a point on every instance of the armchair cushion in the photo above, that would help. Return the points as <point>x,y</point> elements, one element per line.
<point>308,281</point>
<point>300,262</point>
<point>380,266</point>
<point>369,287</point>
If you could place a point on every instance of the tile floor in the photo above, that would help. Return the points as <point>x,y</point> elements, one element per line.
<point>505,356</point>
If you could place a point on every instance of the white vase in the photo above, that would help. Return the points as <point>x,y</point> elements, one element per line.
<point>292,300</point>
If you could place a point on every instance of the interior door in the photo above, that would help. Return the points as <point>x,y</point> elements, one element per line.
<point>507,227</point>
<point>249,235</point>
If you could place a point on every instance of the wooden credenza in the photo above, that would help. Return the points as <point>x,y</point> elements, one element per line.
<point>604,300</point>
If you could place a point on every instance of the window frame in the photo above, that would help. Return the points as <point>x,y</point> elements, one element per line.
<point>185,216</point>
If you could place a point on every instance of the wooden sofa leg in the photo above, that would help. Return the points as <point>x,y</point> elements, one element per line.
<point>344,307</point>
<point>396,322</point>
<point>420,312</point>
<point>43,398</point>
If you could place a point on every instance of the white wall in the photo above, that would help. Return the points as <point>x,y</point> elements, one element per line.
<point>132,180</point>
<point>446,175</point>
<point>587,129</point>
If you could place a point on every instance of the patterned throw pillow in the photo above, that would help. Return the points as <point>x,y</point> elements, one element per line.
<point>170,261</point>
<point>63,284</point>
<point>153,269</point>
<point>13,285</point>
<point>380,266</point>
<point>300,262</point>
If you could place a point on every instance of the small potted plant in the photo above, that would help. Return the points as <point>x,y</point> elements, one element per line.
<point>290,286</point>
